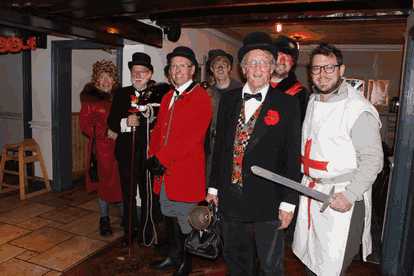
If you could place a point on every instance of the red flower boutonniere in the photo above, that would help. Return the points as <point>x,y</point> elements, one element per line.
<point>134,104</point>
<point>272,117</point>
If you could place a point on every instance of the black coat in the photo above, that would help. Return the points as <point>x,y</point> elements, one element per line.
<point>276,148</point>
<point>302,94</point>
<point>121,103</point>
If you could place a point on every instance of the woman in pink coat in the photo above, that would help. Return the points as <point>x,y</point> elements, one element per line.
<point>96,102</point>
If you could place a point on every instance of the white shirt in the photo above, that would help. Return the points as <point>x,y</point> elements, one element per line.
<point>250,108</point>
<point>180,90</point>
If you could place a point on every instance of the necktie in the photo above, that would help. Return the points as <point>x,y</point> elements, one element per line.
<point>248,96</point>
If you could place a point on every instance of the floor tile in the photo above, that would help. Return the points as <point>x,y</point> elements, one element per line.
<point>68,253</point>
<point>83,226</point>
<point>16,267</point>
<point>53,273</point>
<point>117,233</point>
<point>42,239</point>
<point>93,206</point>
<point>65,214</point>
<point>10,232</point>
<point>26,255</point>
<point>52,199</point>
<point>34,223</point>
<point>78,196</point>
<point>11,202</point>
<point>8,251</point>
<point>24,213</point>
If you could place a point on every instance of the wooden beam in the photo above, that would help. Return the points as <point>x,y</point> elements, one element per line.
<point>29,22</point>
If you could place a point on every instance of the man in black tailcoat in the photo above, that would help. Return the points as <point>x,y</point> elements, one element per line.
<point>143,91</point>
<point>255,126</point>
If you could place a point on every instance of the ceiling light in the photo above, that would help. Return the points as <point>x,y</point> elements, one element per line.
<point>278,27</point>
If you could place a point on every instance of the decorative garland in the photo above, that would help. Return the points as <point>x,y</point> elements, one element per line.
<point>13,44</point>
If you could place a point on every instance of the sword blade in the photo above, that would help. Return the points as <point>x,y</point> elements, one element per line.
<point>290,184</point>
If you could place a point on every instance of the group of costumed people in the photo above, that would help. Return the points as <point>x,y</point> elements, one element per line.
<point>197,142</point>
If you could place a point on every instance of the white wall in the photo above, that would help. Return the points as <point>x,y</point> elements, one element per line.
<point>41,96</point>
<point>82,61</point>
<point>11,95</point>
<point>200,41</point>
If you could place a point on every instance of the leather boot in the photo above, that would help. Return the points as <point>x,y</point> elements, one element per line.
<point>185,266</point>
<point>174,250</point>
<point>105,226</point>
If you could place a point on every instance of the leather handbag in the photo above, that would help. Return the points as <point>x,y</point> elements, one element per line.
<point>93,162</point>
<point>206,243</point>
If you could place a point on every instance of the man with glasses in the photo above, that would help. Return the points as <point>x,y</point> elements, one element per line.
<point>341,149</point>
<point>218,66</point>
<point>121,121</point>
<point>284,77</point>
<point>177,154</point>
<point>255,126</point>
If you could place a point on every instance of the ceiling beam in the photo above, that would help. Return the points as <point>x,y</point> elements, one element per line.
<point>35,23</point>
<point>240,20</point>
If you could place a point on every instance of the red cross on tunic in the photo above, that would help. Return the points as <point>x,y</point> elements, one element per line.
<point>314,164</point>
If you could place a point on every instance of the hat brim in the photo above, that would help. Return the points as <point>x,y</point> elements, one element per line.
<point>189,57</point>
<point>258,46</point>
<point>148,65</point>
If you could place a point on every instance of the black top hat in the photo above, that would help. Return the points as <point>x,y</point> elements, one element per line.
<point>143,59</point>
<point>182,51</point>
<point>288,46</point>
<point>212,54</point>
<point>256,40</point>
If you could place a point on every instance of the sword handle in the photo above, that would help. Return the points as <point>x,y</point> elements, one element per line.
<point>328,200</point>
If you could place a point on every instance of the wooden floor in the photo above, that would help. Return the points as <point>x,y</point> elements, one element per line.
<point>115,261</point>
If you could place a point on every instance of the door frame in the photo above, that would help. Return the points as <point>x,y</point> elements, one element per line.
<point>61,100</point>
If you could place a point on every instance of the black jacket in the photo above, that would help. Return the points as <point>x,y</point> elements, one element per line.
<point>273,147</point>
<point>291,86</point>
<point>121,103</point>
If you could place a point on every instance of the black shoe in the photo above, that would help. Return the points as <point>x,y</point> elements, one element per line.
<point>185,266</point>
<point>105,227</point>
<point>164,264</point>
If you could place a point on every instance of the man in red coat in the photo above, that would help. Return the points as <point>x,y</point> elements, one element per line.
<point>177,150</point>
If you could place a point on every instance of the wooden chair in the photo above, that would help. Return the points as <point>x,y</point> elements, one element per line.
<point>25,152</point>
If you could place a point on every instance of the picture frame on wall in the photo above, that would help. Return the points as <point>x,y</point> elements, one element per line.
<point>358,84</point>
<point>378,92</point>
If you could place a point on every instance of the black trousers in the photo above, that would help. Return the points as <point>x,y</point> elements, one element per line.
<point>247,246</point>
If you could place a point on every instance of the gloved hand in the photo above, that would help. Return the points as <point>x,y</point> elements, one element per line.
<point>154,166</point>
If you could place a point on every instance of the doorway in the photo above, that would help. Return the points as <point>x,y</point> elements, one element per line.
<point>62,106</point>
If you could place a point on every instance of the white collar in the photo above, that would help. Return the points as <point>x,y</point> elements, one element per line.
<point>184,86</point>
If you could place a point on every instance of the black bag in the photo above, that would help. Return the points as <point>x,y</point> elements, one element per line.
<point>206,243</point>
<point>93,162</point>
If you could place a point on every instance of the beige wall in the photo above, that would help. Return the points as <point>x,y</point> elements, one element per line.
<point>364,62</point>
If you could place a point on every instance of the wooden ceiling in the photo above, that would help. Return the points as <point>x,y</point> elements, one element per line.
<point>309,21</point>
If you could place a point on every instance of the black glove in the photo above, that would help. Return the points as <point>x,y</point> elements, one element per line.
<point>154,166</point>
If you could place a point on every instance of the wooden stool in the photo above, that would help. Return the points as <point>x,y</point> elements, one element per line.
<point>25,152</point>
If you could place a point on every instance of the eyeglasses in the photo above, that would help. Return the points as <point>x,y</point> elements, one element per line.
<point>328,69</point>
<point>262,64</point>
<point>175,67</point>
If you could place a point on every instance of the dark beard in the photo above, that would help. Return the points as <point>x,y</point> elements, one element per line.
<point>330,91</point>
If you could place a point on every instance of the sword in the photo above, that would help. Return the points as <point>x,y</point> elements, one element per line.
<point>322,197</point>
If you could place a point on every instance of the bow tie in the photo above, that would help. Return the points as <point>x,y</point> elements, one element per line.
<point>248,96</point>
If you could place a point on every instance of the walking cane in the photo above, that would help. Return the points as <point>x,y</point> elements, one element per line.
<point>133,110</point>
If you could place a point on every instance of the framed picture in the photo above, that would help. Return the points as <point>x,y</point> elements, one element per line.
<point>378,92</point>
<point>358,84</point>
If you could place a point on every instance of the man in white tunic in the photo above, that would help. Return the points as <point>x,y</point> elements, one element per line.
<point>341,148</point>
